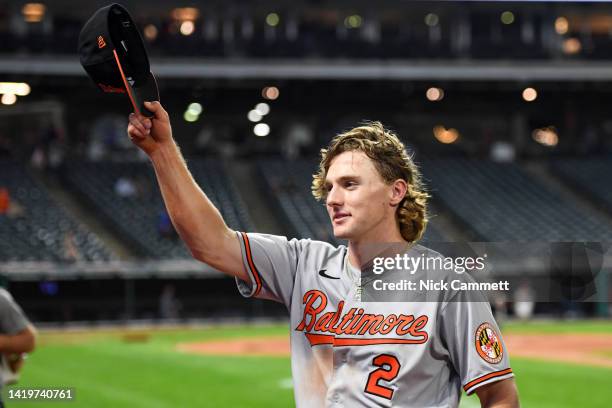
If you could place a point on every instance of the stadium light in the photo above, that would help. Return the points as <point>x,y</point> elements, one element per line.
<point>546,136</point>
<point>270,93</point>
<point>33,12</point>
<point>561,25</point>
<point>150,32</point>
<point>432,19</point>
<point>254,116</point>
<point>530,94</point>
<point>9,99</point>
<point>189,116</point>
<point>195,108</point>
<point>572,46</point>
<point>262,108</point>
<point>16,88</point>
<point>445,136</point>
<point>185,13</point>
<point>353,21</point>
<point>434,94</point>
<point>187,27</point>
<point>507,17</point>
<point>261,129</point>
<point>272,19</point>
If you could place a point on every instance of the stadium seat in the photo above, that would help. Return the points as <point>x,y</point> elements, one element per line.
<point>136,217</point>
<point>41,228</point>
<point>500,202</point>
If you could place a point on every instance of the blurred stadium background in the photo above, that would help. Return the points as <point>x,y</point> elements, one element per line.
<point>506,107</point>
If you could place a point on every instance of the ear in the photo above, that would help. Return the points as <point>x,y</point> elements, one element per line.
<point>398,192</point>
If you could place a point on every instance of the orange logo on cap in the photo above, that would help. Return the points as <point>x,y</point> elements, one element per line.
<point>101,42</point>
<point>110,88</point>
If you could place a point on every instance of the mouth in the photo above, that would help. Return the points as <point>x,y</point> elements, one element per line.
<point>339,217</point>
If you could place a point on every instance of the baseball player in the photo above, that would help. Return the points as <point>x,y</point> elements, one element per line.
<point>346,351</point>
<point>17,336</point>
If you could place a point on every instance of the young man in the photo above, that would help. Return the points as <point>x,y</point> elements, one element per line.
<point>345,352</point>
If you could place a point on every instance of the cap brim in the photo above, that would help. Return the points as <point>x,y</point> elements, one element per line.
<point>146,92</point>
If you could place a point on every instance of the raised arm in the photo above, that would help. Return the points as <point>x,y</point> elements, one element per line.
<point>194,216</point>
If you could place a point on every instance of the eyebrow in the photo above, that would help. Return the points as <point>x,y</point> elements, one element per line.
<point>343,178</point>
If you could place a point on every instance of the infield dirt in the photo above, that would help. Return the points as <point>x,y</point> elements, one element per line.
<point>588,349</point>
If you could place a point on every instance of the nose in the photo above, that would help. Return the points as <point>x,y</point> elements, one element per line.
<point>334,197</point>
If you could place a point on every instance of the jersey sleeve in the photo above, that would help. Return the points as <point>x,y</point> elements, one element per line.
<point>12,318</point>
<point>474,342</point>
<point>271,263</point>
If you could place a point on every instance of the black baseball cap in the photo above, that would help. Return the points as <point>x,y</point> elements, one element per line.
<point>113,54</point>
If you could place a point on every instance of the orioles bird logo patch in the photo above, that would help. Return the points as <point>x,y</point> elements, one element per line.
<point>488,344</point>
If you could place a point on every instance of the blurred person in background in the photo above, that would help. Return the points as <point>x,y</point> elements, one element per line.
<point>8,206</point>
<point>71,250</point>
<point>524,301</point>
<point>17,337</point>
<point>169,305</point>
<point>5,200</point>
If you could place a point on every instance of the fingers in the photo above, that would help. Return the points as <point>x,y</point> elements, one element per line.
<point>139,126</point>
<point>134,133</point>
<point>156,109</point>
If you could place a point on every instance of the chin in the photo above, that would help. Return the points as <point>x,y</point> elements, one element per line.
<point>340,236</point>
<point>342,233</point>
<point>344,230</point>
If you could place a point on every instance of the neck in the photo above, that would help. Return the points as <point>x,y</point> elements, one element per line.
<point>364,249</point>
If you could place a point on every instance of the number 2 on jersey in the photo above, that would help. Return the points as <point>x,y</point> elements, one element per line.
<point>388,369</point>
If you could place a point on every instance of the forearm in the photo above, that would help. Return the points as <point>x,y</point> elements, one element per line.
<point>194,216</point>
<point>508,403</point>
<point>500,394</point>
<point>22,342</point>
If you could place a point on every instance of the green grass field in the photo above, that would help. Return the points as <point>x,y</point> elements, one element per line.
<point>106,371</point>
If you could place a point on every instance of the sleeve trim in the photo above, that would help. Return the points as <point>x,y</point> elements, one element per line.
<point>494,376</point>
<point>251,264</point>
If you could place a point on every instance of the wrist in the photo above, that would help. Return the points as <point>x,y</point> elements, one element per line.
<point>164,151</point>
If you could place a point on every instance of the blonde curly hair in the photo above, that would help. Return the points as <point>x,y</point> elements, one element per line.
<point>389,156</point>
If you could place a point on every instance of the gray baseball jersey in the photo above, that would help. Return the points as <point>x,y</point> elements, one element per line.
<point>12,318</point>
<point>346,352</point>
